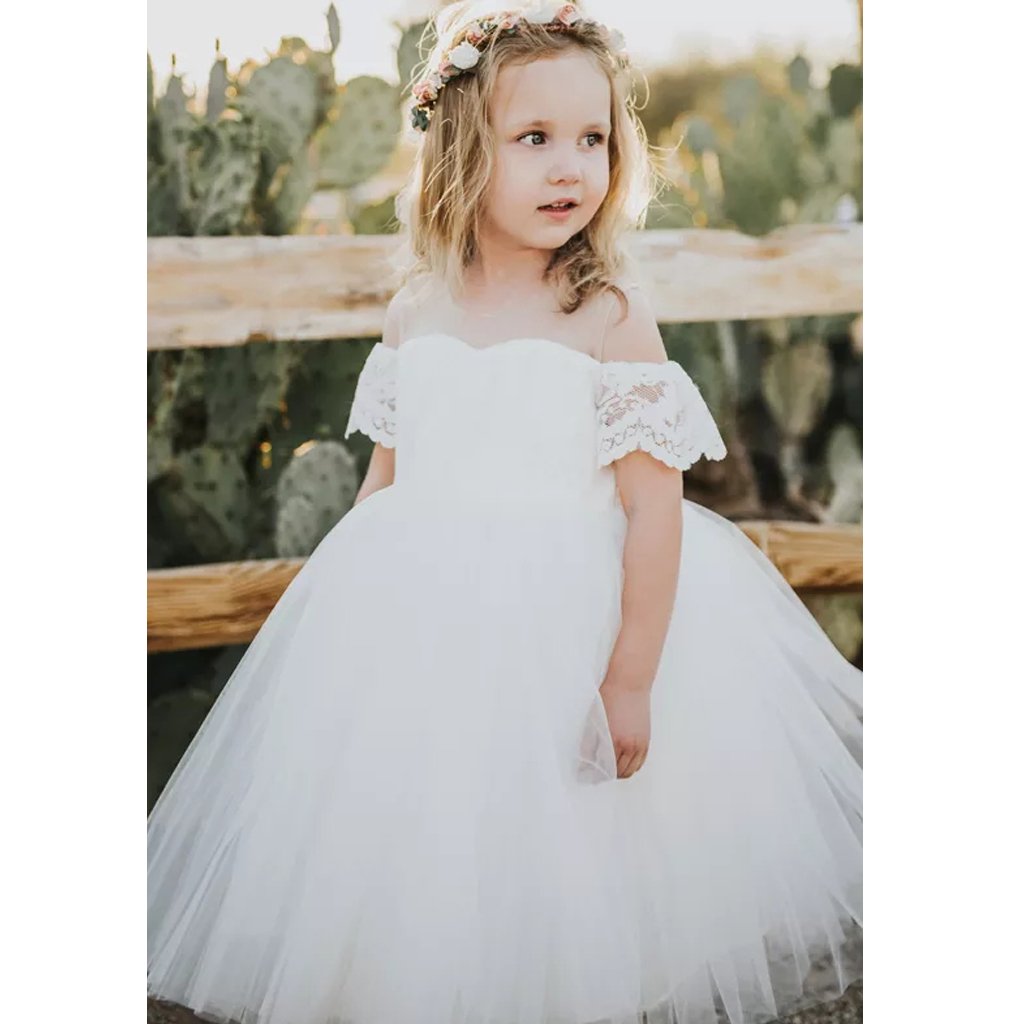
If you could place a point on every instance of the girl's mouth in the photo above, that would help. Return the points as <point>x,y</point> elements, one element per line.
<point>558,212</point>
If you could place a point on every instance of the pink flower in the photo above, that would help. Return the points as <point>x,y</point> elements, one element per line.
<point>475,33</point>
<point>568,15</point>
<point>425,92</point>
<point>510,21</point>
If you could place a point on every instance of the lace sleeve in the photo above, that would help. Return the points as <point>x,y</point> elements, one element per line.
<point>657,408</point>
<point>374,404</point>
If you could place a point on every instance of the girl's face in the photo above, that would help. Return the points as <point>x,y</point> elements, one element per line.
<point>551,124</point>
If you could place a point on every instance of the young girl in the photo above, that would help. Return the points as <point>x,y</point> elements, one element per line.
<point>530,739</point>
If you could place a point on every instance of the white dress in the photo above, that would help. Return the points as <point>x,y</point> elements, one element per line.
<point>403,808</point>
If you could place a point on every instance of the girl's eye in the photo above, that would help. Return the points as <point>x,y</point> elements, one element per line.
<point>590,135</point>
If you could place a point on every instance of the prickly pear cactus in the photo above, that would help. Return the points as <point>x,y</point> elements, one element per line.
<point>206,496</point>
<point>845,89</point>
<point>333,27</point>
<point>226,170</point>
<point>289,192</point>
<point>413,50</point>
<point>174,718</point>
<point>700,135</point>
<point>315,490</point>
<point>761,168</point>
<point>841,616</point>
<point>846,470</point>
<point>281,97</point>
<point>740,98</point>
<point>376,218</point>
<point>798,71</point>
<point>217,90</point>
<point>796,382</point>
<point>360,135</point>
<point>245,386</point>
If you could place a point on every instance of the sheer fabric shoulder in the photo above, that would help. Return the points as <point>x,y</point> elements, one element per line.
<point>656,408</point>
<point>374,405</point>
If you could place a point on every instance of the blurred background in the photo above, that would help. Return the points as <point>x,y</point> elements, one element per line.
<point>285,119</point>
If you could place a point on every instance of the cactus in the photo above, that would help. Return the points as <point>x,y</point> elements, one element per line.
<point>376,218</point>
<point>174,718</point>
<point>796,382</point>
<point>798,71</point>
<point>226,171</point>
<point>841,616</point>
<point>288,194</point>
<point>316,489</point>
<point>760,166</point>
<point>843,152</point>
<point>245,386</point>
<point>333,28</point>
<point>846,470</point>
<point>281,97</point>
<point>205,495</point>
<point>413,50</point>
<point>217,88</point>
<point>361,135</point>
<point>699,135</point>
<point>740,98</point>
<point>845,89</point>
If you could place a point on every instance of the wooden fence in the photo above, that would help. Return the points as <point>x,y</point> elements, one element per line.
<point>234,291</point>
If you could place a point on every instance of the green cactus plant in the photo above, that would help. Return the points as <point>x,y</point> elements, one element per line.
<point>205,495</point>
<point>413,48</point>
<point>846,470</point>
<point>361,134</point>
<point>224,176</point>
<point>281,97</point>
<point>288,194</point>
<point>315,490</point>
<point>217,88</point>
<point>244,388</point>
<point>798,72</point>
<point>333,28</point>
<point>841,616</point>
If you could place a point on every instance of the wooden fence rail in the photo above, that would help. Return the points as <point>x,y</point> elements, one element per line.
<point>226,603</point>
<point>232,291</point>
<point>229,291</point>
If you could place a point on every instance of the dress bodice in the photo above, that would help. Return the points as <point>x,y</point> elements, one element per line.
<point>524,417</point>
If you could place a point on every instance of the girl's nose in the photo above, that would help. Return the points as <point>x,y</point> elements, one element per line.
<point>564,171</point>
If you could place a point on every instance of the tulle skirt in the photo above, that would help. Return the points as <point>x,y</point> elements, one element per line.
<point>403,806</point>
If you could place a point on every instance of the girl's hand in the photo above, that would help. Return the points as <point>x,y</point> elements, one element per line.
<point>629,720</point>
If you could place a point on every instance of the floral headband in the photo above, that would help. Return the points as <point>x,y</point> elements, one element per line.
<point>465,50</point>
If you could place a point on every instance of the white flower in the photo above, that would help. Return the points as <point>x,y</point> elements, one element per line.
<point>543,13</point>
<point>464,56</point>
<point>616,41</point>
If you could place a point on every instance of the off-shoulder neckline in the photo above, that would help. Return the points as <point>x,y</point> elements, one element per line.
<point>482,349</point>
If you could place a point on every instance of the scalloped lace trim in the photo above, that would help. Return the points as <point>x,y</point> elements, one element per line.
<point>656,408</point>
<point>374,405</point>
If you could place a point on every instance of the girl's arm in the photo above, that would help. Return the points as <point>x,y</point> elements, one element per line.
<point>651,495</point>
<point>381,470</point>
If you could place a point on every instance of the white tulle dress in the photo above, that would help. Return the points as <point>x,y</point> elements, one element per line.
<point>403,808</point>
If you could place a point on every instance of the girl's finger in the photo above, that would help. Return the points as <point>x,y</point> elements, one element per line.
<point>634,764</point>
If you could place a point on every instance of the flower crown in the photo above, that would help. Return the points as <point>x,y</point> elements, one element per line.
<point>465,50</point>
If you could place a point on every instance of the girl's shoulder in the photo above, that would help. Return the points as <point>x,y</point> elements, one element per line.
<point>631,332</point>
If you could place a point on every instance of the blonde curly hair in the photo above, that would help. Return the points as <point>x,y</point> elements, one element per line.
<point>441,206</point>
